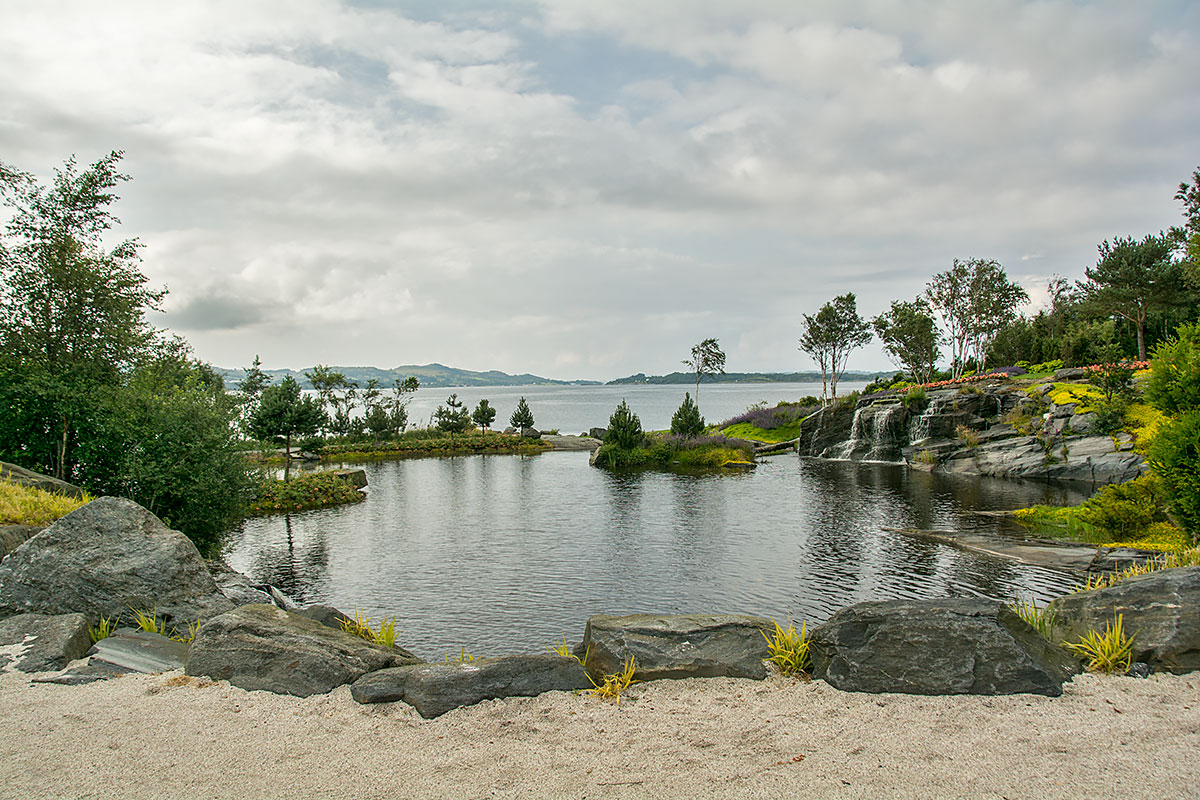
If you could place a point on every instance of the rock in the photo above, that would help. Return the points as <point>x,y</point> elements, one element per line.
<point>598,433</point>
<point>355,477</point>
<point>825,429</point>
<point>104,559</point>
<point>510,430</point>
<point>531,433</point>
<point>128,650</point>
<point>13,536</point>
<point>1160,613</point>
<point>40,643</point>
<point>328,616</point>
<point>241,591</point>
<point>36,480</point>
<point>1088,459</point>
<point>1070,374</point>
<point>263,647</point>
<point>1083,423</point>
<point>685,646</point>
<point>434,689</point>
<point>943,646</point>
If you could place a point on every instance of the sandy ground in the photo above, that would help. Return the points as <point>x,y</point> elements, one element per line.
<point>170,736</point>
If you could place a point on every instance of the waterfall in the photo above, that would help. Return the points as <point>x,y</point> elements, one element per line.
<point>876,434</point>
<point>845,450</point>
<point>921,428</point>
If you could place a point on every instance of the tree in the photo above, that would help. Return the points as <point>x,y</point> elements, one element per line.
<point>484,414</point>
<point>1132,278</point>
<point>285,412</point>
<point>624,428</point>
<point>522,417</point>
<point>398,402</point>
<point>975,300</point>
<point>453,417</point>
<point>1189,234</point>
<point>327,382</point>
<point>72,313</point>
<point>831,336</point>
<point>687,420</point>
<point>707,359</point>
<point>910,337</point>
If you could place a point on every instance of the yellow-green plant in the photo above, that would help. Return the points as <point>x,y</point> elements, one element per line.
<point>149,622</point>
<point>102,629</point>
<point>188,634</point>
<point>925,457</point>
<point>789,648</point>
<point>1187,558</point>
<point>464,657</point>
<point>563,649</point>
<point>1040,619</point>
<point>969,437</point>
<point>386,635</point>
<point>1108,652</point>
<point>360,626</point>
<point>21,505</point>
<point>612,685</point>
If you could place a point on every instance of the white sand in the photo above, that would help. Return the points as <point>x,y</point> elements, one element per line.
<point>169,736</point>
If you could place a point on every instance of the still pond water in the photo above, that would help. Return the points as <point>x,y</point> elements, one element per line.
<point>503,554</point>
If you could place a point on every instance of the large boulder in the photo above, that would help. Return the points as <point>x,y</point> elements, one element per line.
<point>264,647</point>
<point>105,559</point>
<point>685,646</point>
<point>36,480</point>
<point>242,591</point>
<point>1095,460</point>
<point>943,646</point>
<point>13,536</point>
<point>40,643</point>
<point>1160,612</point>
<point>434,689</point>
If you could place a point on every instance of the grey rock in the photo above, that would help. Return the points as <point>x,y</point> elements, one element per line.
<point>127,650</point>
<point>81,673</point>
<point>36,480</point>
<point>936,647</point>
<point>104,559</point>
<point>40,643</point>
<point>824,429</point>
<point>531,433</point>
<point>355,477</point>
<point>1160,612</point>
<point>13,536</point>
<point>328,616</point>
<point>241,591</point>
<point>598,433</point>
<point>264,647</point>
<point>1070,374</point>
<point>434,689</point>
<point>1140,669</point>
<point>684,646</point>
<point>1083,423</point>
<point>1089,459</point>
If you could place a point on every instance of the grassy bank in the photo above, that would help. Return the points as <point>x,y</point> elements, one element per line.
<point>20,505</point>
<point>770,425</point>
<point>304,491</point>
<point>664,451</point>
<point>430,442</point>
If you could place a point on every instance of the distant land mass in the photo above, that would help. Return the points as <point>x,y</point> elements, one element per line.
<point>431,375</point>
<point>746,377</point>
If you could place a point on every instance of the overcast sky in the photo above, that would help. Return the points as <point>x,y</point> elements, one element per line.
<point>587,188</point>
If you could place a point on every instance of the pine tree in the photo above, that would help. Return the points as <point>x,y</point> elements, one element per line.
<point>522,418</point>
<point>687,420</point>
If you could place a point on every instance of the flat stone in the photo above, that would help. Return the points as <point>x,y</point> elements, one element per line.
<point>127,650</point>
<point>264,647</point>
<point>41,643</point>
<point>682,646</point>
<point>83,673</point>
<point>937,647</point>
<point>355,477</point>
<point>434,689</point>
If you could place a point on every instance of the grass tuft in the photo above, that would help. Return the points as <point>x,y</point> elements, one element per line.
<point>464,657</point>
<point>1186,558</point>
<point>103,629</point>
<point>188,634</point>
<point>1108,652</point>
<point>612,685</point>
<point>149,621</point>
<point>564,650</point>
<point>21,505</point>
<point>1040,619</point>
<point>362,627</point>
<point>789,648</point>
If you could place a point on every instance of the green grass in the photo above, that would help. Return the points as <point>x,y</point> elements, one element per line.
<point>1040,618</point>
<point>21,505</point>
<point>361,626</point>
<point>102,629</point>
<point>663,454</point>
<point>1106,652</point>
<point>744,430</point>
<point>611,687</point>
<point>305,490</point>
<point>1185,558</point>
<point>428,442</point>
<point>789,648</point>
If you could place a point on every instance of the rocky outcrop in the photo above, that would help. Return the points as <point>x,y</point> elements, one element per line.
<point>36,480</point>
<point>825,429</point>
<point>685,646</point>
<point>936,647</point>
<point>434,689</point>
<point>1160,613</point>
<point>40,643</point>
<point>264,647</point>
<point>104,559</point>
<point>1092,459</point>
<point>355,477</point>
<point>241,591</point>
<point>13,536</point>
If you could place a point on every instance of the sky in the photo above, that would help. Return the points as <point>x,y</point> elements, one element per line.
<point>584,190</point>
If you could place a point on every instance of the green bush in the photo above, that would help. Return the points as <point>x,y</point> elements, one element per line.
<point>687,420</point>
<point>1124,510</point>
<point>615,457</point>
<point>1175,459</point>
<point>915,397</point>
<point>307,490</point>
<point>1174,384</point>
<point>624,428</point>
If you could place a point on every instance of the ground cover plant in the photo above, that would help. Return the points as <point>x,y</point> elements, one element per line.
<point>303,491</point>
<point>424,442</point>
<point>22,505</point>
<point>789,648</point>
<point>780,423</point>
<point>1040,618</point>
<point>611,686</point>
<point>1106,652</point>
<point>667,451</point>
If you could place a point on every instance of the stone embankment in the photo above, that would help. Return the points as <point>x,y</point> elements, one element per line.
<point>999,429</point>
<point>111,556</point>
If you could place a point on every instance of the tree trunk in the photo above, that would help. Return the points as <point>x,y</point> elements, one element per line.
<point>1141,329</point>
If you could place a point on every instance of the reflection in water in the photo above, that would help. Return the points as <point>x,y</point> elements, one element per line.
<point>511,553</point>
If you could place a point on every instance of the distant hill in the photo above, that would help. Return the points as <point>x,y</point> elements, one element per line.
<point>745,377</point>
<point>431,375</point>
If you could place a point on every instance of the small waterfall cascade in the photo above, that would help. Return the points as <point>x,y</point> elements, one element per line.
<point>921,428</point>
<point>845,450</point>
<point>876,434</point>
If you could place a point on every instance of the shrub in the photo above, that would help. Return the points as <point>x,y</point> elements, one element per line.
<point>687,420</point>
<point>789,649</point>
<point>969,437</point>
<point>1175,459</point>
<point>926,457</point>
<point>624,428</point>
<point>21,505</point>
<point>914,396</point>
<point>1123,510</point>
<point>1108,652</point>
<point>1174,384</point>
<point>307,490</point>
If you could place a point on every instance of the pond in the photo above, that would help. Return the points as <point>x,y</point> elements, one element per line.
<point>502,554</point>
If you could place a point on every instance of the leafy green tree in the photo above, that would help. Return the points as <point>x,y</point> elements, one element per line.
<point>686,420</point>
<point>1175,459</point>
<point>484,415</point>
<point>327,383</point>
<point>286,412</point>
<point>975,300</point>
<point>454,417</point>
<point>1174,384</point>
<point>624,428</point>
<point>910,337</point>
<point>1134,277</point>
<point>707,359</point>
<point>522,417</point>
<point>72,310</point>
<point>398,402</point>
<point>1189,234</point>
<point>830,336</point>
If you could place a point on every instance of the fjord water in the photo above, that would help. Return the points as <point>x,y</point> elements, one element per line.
<point>503,554</point>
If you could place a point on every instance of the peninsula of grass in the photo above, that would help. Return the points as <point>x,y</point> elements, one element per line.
<point>303,491</point>
<point>22,505</point>
<point>770,425</point>
<point>431,442</point>
<point>667,451</point>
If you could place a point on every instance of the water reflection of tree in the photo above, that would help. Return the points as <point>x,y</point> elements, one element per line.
<point>293,570</point>
<point>834,523</point>
<point>698,519</point>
